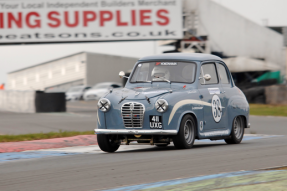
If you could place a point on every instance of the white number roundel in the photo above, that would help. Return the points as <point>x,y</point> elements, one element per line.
<point>216,108</point>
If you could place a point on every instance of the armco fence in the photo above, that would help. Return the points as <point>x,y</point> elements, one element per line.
<point>32,101</point>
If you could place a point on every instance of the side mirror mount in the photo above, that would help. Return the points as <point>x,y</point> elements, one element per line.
<point>122,74</point>
<point>207,77</point>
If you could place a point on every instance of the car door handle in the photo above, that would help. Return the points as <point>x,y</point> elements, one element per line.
<point>223,92</point>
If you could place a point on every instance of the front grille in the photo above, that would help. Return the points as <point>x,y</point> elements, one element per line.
<point>133,114</point>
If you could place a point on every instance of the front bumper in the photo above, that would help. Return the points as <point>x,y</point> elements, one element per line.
<point>135,132</point>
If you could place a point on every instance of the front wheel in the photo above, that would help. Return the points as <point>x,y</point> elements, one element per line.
<point>237,131</point>
<point>107,143</point>
<point>186,134</point>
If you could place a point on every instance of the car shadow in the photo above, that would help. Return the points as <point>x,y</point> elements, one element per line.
<point>170,148</point>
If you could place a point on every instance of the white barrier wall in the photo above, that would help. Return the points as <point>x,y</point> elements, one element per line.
<point>17,101</point>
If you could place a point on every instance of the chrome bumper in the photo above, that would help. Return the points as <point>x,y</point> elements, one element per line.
<point>135,132</point>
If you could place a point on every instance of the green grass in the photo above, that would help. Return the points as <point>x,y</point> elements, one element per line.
<point>38,136</point>
<point>268,110</point>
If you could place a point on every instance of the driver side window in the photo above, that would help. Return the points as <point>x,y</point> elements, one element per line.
<point>211,70</point>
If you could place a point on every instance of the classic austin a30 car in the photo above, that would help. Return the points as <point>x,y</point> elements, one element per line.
<point>173,98</point>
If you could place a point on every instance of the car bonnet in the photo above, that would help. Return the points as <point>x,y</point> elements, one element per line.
<point>142,93</point>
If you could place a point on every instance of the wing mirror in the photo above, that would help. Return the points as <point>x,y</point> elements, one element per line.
<point>207,77</point>
<point>122,74</point>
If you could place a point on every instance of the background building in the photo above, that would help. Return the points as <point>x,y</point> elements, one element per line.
<point>249,49</point>
<point>83,68</point>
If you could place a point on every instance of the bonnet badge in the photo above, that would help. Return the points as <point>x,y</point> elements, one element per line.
<point>131,106</point>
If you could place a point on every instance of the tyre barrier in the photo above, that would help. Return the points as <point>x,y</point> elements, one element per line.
<point>268,82</point>
<point>255,95</point>
<point>50,102</point>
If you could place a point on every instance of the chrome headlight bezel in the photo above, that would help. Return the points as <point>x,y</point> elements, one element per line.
<point>161,105</point>
<point>104,104</point>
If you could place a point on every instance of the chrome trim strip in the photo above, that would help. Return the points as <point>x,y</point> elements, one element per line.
<point>135,132</point>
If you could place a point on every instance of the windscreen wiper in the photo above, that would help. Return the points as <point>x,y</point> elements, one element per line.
<point>122,99</point>
<point>147,99</point>
<point>142,81</point>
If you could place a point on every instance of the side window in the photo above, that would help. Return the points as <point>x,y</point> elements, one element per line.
<point>211,70</point>
<point>223,74</point>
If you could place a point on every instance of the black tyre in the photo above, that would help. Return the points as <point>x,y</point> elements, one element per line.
<point>107,143</point>
<point>186,134</point>
<point>237,131</point>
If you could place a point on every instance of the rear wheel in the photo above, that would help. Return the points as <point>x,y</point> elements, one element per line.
<point>186,134</point>
<point>107,143</point>
<point>237,131</point>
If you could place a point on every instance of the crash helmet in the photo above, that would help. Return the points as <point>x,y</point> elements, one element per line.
<point>160,71</point>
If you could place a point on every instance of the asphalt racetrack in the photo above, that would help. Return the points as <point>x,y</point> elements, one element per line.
<point>91,169</point>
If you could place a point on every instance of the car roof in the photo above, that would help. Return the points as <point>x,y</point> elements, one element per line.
<point>182,56</point>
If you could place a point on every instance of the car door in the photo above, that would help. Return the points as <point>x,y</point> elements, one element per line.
<point>212,96</point>
<point>225,82</point>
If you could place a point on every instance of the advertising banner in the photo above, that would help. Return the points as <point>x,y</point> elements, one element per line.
<point>44,21</point>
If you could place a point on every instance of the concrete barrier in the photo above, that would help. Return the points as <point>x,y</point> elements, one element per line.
<point>17,101</point>
<point>276,95</point>
<point>32,101</point>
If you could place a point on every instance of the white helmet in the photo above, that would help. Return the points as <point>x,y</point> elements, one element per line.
<point>160,71</point>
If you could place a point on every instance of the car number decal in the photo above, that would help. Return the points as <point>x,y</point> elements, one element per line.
<point>166,64</point>
<point>155,122</point>
<point>214,91</point>
<point>216,108</point>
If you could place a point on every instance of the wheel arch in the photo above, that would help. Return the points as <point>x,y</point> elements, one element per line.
<point>194,117</point>
<point>244,120</point>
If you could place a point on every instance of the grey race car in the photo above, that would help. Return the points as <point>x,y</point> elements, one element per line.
<point>173,98</point>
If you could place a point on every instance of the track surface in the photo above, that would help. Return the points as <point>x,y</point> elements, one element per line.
<point>96,171</point>
<point>80,116</point>
<point>149,164</point>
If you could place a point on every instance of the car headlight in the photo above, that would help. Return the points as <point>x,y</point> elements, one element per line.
<point>161,105</point>
<point>104,105</point>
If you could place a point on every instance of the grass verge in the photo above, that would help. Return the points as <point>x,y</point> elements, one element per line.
<point>268,110</point>
<point>38,136</point>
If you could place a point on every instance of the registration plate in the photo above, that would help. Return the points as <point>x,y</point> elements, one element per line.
<point>155,122</point>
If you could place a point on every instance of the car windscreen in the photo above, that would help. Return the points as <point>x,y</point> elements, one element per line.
<point>182,72</point>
